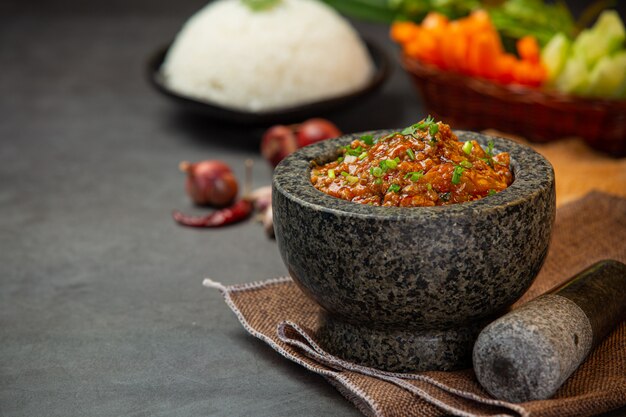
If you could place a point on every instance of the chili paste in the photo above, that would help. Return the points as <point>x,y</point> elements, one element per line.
<point>424,165</point>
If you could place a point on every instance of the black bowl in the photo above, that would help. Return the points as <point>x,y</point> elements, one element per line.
<point>286,115</point>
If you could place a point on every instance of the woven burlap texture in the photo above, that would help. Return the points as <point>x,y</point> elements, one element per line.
<point>587,230</point>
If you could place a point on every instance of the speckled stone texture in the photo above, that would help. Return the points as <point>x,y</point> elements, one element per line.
<point>400,350</point>
<point>418,268</point>
<point>600,291</point>
<point>529,353</point>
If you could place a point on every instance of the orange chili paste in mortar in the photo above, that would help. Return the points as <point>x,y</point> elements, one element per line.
<point>424,165</point>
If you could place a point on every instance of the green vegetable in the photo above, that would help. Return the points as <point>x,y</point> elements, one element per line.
<point>363,156</point>
<point>456,175</point>
<point>554,55</point>
<point>409,130</point>
<point>490,145</point>
<point>376,171</point>
<point>491,192</point>
<point>331,173</point>
<point>466,164</point>
<point>394,188</point>
<point>433,129</point>
<point>515,19</point>
<point>350,178</point>
<point>354,152</point>
<point>259,5</point>
<point>604,38</point>
<point>373,10</point>
<point>428,124</point>
<point>467,147</point>
<point>411,154</point>
<point>368,139</point>
<point>574,79</point>
<point>389,10</point>
<point>415,176</point>
<point>390,163</point>
<point>593,64</point>
<point>608,77</point>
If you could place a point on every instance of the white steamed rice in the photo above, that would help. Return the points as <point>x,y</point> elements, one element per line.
<point>297,52</point>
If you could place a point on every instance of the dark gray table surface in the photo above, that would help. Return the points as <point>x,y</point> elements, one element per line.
<point>102,312</point>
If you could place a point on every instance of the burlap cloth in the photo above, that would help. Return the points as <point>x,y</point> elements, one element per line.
<point>587,230</point>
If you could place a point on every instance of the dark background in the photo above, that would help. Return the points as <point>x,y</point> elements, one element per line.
<point>102,312</point>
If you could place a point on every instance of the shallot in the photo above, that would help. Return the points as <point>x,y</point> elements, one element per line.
<point>315,130</point>
<point>280,140</point>
<point>210,183</point>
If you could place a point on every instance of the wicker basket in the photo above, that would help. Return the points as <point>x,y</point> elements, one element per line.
<point>472,103</point>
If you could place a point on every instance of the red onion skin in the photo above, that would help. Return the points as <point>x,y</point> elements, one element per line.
<point>315,130</point>
<point>210,183</point>
<point>278,142</point>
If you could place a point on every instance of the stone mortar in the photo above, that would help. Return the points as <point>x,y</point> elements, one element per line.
<point>395,269</point>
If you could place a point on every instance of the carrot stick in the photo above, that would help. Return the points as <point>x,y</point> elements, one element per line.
<point>528,49</point>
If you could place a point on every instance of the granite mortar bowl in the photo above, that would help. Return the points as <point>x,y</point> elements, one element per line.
<point>390,275</point>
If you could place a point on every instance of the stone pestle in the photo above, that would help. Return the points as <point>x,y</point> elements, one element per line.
<point>529,353</point>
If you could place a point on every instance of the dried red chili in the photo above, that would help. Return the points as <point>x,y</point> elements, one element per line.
<point>239,211</point>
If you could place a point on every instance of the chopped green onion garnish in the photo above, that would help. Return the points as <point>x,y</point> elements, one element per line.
<point>466,164</point>
<point>352,179</point>
<point>428,123</point>
<point>467,147</point>
<point>354,152</point>
<point>456,175</point>
<point>409,130</point>
<point>378,181</point>
<point>389,136</point>
<point>434,128</point>
<point>394,188</point>
<point>340,159</point>
<point>345,174</point>
<point>363,155</point>
<point>411,154</point>
<point>429,186</point>
<point>331,173</point>
<point>415,176</point>
<point>368,139</point>
<point>488,161</point>
<point>376,171</point>
<point>391,164</point>
<point>490,148</point>
<point>491,192</point>
<point>397,160</point>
